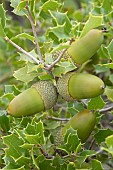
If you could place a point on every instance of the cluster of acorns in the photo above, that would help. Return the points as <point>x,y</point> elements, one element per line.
<point>71,86</point>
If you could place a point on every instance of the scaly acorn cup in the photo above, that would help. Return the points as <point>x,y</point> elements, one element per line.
<point>73,86</point>
<point>84,122</point>
<point>84,48</point>
<point>41,96</point>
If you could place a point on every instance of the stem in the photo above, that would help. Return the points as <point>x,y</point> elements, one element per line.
<point>34,32</point>
<point>22,50</point>
<point>56,61</point>
<point>83,66</point>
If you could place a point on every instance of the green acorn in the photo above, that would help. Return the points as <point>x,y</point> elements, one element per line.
<point>73,86</point>
<point>84,122</point>
<point>41,96</point>
<point>84,48</point>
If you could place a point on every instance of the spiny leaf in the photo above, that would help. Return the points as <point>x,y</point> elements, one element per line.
<point>50,5</point>
<point>109,141</point>
<point>60,19</point>
<point>21,5</point>
<point>107,7</point>
<point>18,7</point>
<point>93,22</point>
<point>71,141</point>
<point>101,68</point>
<point>2,33</point>
<point>33,139</point>
<point>23,57</point>
<point>27,146</point>
<point>4,121</point>
<point>11,166</point>
<point>22,160</point>
<point>6,98</point>
<point>23,75</point>
<point>87,153</point>
<point>62,68</point>
<point>46,163</point>
<point>2,15</point>
<point>13,142</point>
<point>58,32</point>
<point>101,135</point>
<point>110,49</point>
<point>109,92</point>
<point>96,103</point>
<point>34,160</point>
<point>39,127</point>
<point>32,5</point>
<point>25,36</point>
<point>96,165</point>
<point>30,129</point>
<point>12,89</point>
<point>60,47</point>
<point>35,133</point>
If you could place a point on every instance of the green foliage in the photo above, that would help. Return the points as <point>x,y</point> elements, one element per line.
<point>2,20</point>
<point>96,103</point>
<point>36,30</point>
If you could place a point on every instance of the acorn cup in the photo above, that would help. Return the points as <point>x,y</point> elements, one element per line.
<point>84,48</point>
<point>41,96</point>
<point>74,86</point>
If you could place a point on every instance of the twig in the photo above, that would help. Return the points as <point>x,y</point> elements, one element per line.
<point>84,102</point>
<point>34,32</point>
<point>22,50</point>
<point>58,119</point>
<point>106,109</point>
<point>47,155</point>
<point>91,144</point>
<point>56,61</point>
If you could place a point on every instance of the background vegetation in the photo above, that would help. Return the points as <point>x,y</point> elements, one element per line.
<point>34,36</point>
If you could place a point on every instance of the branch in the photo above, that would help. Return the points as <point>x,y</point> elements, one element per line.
<point>22,50</point>
<point>47,155</point>
<point>56,61</point>
<point>58,119</point>
<point>34,32</point>
<point>91,144</point>
<point>84,102</point>
<point>106,109</point>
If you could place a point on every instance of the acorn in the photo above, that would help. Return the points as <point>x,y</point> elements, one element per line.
<point>74,85</point>
<point>40,97</point>
<point>84,122</point>
<point>84,48</point>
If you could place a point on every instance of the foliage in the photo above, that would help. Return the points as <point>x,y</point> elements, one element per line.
<point>34,36</point>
